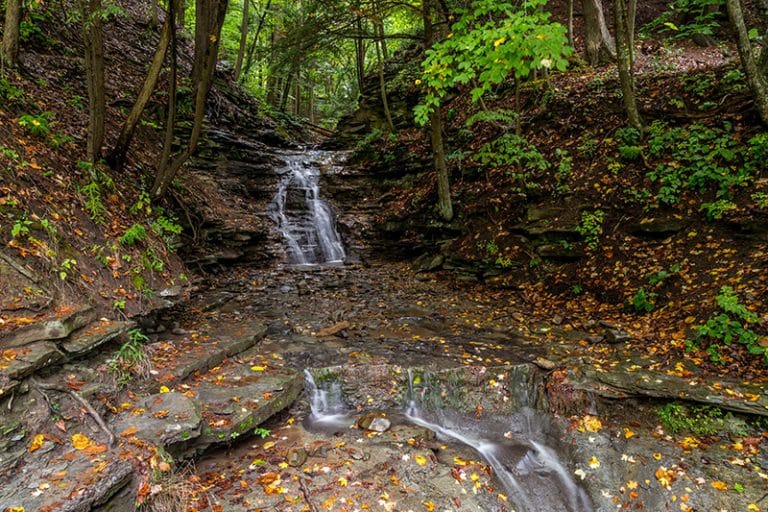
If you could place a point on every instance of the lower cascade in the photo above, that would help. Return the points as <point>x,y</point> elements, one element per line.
<point>304,219</point>
<point>530,472</point>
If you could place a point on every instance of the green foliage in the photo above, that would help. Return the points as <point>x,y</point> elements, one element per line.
<point>262,432</point>
<point>92,199</point>
<point>643,301</point>
<point>133,235</point>
<point>697,158</point>
<point>564,170</point>
<point>130,360</point>
<point>686,18</point>
<point>21,227</point>
<point>9,92</point>
<point>167,228</point>
<point>38,125</point>
<point>151,260</point>
<point>66,268</point>
<point>761,199</point>
<point>731,324</point>
<point>142,204</point>
<point>591,227</point>
<point>492,40</point>
<point>699,420</point>
<point>716,209</point>
<point>518,157</point>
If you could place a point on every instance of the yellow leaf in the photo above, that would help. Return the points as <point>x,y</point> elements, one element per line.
<point>268,445</point>
<point>342,481</point>
<point>594,463</point>
<point>459,461</point>
<point>592,424</point>
<point>258,368</point>
<point>502,497</point>
<point>420,460</point>
<point>657,456</point>
<point>628,433</point>
<point>429,506</point>
<point>719,485</point>
<point>753,508</point>
<point>37,443</point>
<point>80,442</point>
<point>164,389</point>
<point>14,509</point>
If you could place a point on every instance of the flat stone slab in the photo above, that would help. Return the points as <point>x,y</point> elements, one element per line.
<point>631,380</point>
<point>65,480</point>
<point>237,403</point>
<point>20,362</point>
<point>93,336</point>
<point>62,323</point>
<point>165,419</point>
<point>175,360</point>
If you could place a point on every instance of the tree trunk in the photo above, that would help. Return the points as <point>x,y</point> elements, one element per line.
<point>360,54</point>
<point>94,70</point>
<point>170,121</point>
<point>255,41</point>
<point>243,39</point>
<point>444,204</point>
<point>154,7</point>
<point>624,61</point>
<point>756,78</point>
<point>383,84</point>
<point>600,47</point>
<point>10,50</point>
<point>570,24</point>
<point>182,14</point>
<point>205,61</point>
<point>117,156</point>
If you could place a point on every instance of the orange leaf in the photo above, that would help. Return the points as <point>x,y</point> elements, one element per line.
<point>129,432</point>
<point>719,485</point>
<point>80,442</point>
<point>95,449</point>
<point>37,443</point>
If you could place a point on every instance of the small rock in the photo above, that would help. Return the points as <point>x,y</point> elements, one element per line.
<point>296,456</point>
<point>596,339</point>
<point>544,363</point>
<point>557,320</point>
<point>374,422</point>
<point>617,336</point>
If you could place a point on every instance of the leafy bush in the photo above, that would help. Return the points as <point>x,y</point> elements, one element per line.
<point>92,195</point>
<point>716,209</point>
<point>591,227</point>
<point>686,18</point>
<point>514,153</point>
<point>38,125</point>
<point>643,301</point>
<point>9,92</point>
<point>696,157</point>
<point>133,235</point>
<point>729,325</point>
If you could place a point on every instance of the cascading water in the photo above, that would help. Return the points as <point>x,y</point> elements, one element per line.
<point>303,218</point>
<point>325,402</point>
<point>535,481</point>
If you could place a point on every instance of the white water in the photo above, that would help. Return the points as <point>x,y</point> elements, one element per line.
<point>535,482</point>
<point>327,407</point>
<point>309,229</point>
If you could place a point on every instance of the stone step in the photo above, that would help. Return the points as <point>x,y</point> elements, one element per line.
<point>175,360</point>
<point>64,479</point>
<point>57,325</point>
<point>20,362</point>
<point>93,336</point>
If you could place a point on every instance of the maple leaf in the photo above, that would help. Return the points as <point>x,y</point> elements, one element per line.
<point>719,485</point>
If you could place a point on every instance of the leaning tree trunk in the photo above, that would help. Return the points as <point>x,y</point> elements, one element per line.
<point>94,70</point>
<point>756,77</point>
<point>600,47</point>
<point>10,49</point>
<point>624,60</point>
<point>444,204</point>
<point>170,121</point>
<point>117,155</point>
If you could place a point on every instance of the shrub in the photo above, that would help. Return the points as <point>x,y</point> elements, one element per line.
<point>591,227</point>
<point>38,125</point>
<point>133,235</point>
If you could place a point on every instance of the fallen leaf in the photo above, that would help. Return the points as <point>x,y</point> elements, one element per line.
<point>719,485</point>
<point>37,443</point>
<point>80,442</point>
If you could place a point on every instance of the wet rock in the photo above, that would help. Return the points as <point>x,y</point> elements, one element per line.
<point>167,419</point>
<point>52,329</point>
<point>616,336</point>
<point>656,227</point>
<point>29,359</point>
<point>374,422</point>
<point>296,456</point>
<point>544,363</point>
<point>94,336</point>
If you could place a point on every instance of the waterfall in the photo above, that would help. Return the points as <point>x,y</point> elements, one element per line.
<point>325,402</point>
<point>534,481</point>
<point>304,219</point>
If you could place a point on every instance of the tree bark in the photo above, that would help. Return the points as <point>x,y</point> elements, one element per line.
<point>243,39</point>
<point>213,12</point>
<point>170,121</point>
<point>570,24</point>
<point>94,69</point>
<point>117,155</point>
<point>154,7</point>
<point>255,41</point>
<point>444,204</point>
<point>756,78</point>
<point>624,61</point>
<point>10,50</point>
<point>600,46</point>
<point>360,55</point>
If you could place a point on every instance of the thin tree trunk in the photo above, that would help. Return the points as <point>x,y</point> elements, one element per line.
<point>10,50</point>
<point>624,60</point>
<point>570,24</point>
<point>117,156</point>
<point>207,56</point>
<point>297,94</point>
<point>518,113</point>
<point>360,54</point>
<point>243,39</point>
<point>383,87</point>
<point>444,204</point>
<point>255,41</point>
<point>94,70</point>
<point>600,46</point>
<point>170,122</point>
<point>154,7</point>
<point>182,15</point>
<point>757,80</point>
